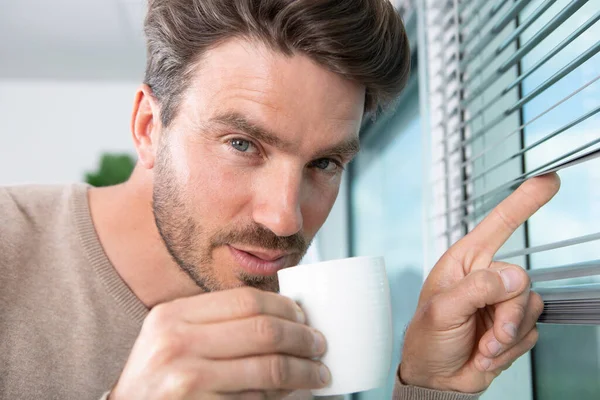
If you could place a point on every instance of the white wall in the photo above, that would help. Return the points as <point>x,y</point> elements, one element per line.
<point>53,132</point>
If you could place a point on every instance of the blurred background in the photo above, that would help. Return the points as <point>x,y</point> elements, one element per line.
<point>501,90</point>
<point>68,73</point>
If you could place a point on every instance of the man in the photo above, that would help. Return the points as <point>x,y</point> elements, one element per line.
<point>163,287</point>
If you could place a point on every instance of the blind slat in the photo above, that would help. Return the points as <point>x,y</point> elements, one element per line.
<point>538,12</point>
<point>589,53</point>
<point>475,93</point>
<point>523,126</point>
<point>581,29</point>
<point>583,312</point>
<point>487,206</point>
<point>556,164</point>
<point>541,170</point>
<point>551,26</point>
<point>532,146</point>
<point>550,246</point>
<point>484,21</point>
<point>473,158</point>
<point>575,292</point>
<point>582,58</point>
<point>509,17</point>
<point>463,5</point>
<point>510,39</point>
<point>577,270</point>
<point>577,304</point>
<point>525,48</point>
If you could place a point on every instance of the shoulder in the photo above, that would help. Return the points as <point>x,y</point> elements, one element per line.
<point>27,211</point>
<point>28,205</point>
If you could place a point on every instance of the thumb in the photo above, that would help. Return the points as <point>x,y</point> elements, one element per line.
<point>480,288</point>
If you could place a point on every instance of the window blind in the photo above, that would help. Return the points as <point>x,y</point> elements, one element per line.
<point>502,106</point>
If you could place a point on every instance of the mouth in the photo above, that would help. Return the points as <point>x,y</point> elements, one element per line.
<point>260,262</point>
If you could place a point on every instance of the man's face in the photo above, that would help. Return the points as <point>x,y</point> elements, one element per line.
<point>250,167</point>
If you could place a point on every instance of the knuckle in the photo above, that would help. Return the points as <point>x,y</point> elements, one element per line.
<point>159,317</point>
<point>248,301</point>
<point>167,347</point>
<point>479,256</point>
<point>269,331</point>
<point>180,383</point>
<point>533,337</point>
<point>279,371</point>
<point>482,285</point>
<point>537,305</point>
<point>433,310</point>
<point>508,221</point>
<point>504,367</point>
<point>308,339</point>
<point>518,313</point>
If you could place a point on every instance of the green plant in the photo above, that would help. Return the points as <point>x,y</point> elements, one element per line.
<point>113,169</point>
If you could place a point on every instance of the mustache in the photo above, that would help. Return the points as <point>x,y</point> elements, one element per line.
<point>259,236</point>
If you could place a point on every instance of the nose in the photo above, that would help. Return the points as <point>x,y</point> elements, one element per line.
<point>277,202</point>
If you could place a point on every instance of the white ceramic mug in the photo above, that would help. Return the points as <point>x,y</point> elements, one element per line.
<point>348,300</point>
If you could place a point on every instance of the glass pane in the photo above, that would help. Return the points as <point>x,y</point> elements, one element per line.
<point>566,363</point>
<point>387,214</point>
<point>566,358</point>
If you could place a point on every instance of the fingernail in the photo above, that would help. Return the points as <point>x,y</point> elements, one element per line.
<point>494,347</point>
<point>324,374</point>
<point>485,363</point>
<point>510,329</point>
<point>300,316</point>
<point>319,343</point>
<point>511,278</point>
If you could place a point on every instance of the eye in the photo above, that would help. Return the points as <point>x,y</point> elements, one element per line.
<point>241,145</point>
<point>325,164</point>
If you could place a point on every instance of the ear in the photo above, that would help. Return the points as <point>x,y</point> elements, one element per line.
<point>145,126</point>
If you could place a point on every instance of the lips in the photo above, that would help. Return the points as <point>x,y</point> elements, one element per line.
<point>260,262</point>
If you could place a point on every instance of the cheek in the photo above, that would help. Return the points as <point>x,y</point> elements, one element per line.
<point>215,188</point>
<point>316,205</point>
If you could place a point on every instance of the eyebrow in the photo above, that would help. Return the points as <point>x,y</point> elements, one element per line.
<point>347,149</point>
<point>241,123</point>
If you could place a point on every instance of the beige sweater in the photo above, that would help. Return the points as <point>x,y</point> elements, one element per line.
<point>67,320</point>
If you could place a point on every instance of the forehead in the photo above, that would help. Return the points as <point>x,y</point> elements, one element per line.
<point>292,94</point>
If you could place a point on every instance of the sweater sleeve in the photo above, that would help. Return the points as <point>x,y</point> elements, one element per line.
<point>404,392</point>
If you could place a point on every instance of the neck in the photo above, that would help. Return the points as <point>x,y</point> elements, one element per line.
<point>124,221</point>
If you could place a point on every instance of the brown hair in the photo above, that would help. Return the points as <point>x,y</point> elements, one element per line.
<point>362,40</point>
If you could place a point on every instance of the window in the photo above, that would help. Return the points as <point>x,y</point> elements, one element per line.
<point>387,212</point>
<point>513,90</point>
<point>566,359</point>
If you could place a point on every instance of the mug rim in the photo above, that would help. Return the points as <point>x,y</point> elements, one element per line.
<point>303,267</point>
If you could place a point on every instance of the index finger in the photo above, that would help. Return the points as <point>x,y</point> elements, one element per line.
<point>512,212</point>
<point>227,305</point>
